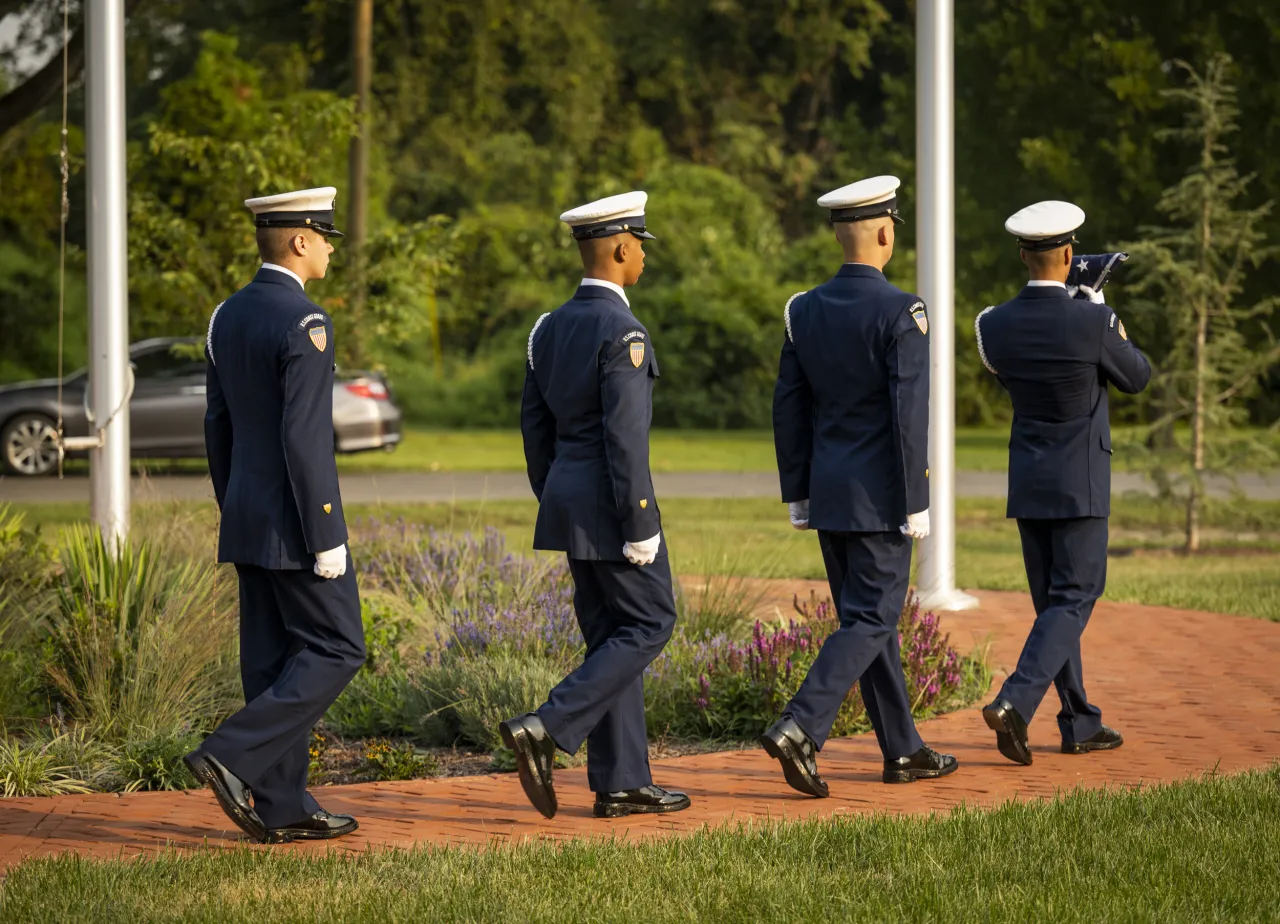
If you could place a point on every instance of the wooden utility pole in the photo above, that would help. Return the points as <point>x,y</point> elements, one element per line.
<point>358,220</point>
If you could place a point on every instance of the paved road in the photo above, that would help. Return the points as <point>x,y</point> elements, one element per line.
<point>421,487</point>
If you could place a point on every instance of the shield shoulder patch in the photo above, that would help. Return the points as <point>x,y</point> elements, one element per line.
<point>637,353</point>
<point>319,338</point>
<point>921,318</point>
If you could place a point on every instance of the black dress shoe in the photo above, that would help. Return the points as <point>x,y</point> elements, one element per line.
<point>1107,739</point>
<point>232,793</point>
<point>320,826</point>
<point>535,757</point>
<point>785,741</point>
<point>1010,729</point>
<point>647,800</point>
<point>924,764</point>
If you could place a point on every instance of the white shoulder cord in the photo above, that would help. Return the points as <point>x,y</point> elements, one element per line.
<point>786,314</point>
<point>208,340</point>
<point>532,333</point>
<point>977,329</point>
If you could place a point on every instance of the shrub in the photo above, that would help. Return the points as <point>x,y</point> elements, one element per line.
<point>155,762</point>
<point>138,642</point>
<point>719,604</point>
<point>720,688</point>
<point>385,760</point>
<point>440,573</point>
<point>20,684</point>
<point>461,700</point>
<point>502,634</point>
<point>31,769</point>
<point>26,576</point>
<point>540,626</point>
<point>374,702</point>
<point>85,756</point>
<point>26,572</point>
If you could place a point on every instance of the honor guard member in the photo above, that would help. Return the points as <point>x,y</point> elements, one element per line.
<point>1055,355</point>
<point>851,430</point>
<point>269,436</point>
<point>588,400</point>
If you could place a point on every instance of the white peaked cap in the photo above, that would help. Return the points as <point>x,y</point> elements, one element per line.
<point>304,200</point>
<point>871,191</point>
<point>1049,224</point>
<point>306,208</point>
<point>613,215</point>
<point>626,205</point>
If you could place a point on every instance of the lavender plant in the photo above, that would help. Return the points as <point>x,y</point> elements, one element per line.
<point>504,632</point>
<point>722,688</point>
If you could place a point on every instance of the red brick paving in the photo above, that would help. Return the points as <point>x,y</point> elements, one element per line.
<point>1190,691</point>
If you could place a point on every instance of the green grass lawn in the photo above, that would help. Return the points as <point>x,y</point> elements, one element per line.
<point>422,450</point>
<point>751,536</point>
<point>977,449</point>
<point>1194,851</point>
<point>1240,572</point>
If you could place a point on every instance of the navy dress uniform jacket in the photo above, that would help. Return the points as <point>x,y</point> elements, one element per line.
<point>585,415</point>
<point>270,369</point>
<point>851,405</point>
<point>1055,356</point>
<point>269,435</point>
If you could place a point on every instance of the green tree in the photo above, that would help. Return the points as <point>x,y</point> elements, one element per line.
<point>1195,267</point>
<point>231,130</point>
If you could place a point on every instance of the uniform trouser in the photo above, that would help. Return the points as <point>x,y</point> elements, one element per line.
<point>868,574</point>
<point>626,614</point>
<point>1067,571</point>
<point>301,642</point>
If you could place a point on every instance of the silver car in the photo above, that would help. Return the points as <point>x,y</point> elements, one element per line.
<point>166,413</point>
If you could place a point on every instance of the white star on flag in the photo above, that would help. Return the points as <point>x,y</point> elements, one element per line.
<point>1082,266</point>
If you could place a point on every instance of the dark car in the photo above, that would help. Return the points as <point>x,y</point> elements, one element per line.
<point>166,413</point>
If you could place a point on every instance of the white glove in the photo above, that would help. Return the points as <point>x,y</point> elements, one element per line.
<point>332,564</point>
<point>1095,297</point>
<point>917,525</point>
<point>642,553</point>
<point>799,511</point>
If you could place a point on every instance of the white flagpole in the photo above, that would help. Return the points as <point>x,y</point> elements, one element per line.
<point>108,267</point>
<point>935,249</point>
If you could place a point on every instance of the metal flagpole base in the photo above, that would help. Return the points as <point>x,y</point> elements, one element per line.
<point>948,601</point>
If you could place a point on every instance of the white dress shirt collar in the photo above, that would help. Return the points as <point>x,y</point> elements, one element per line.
<point>612,286</point>
<point>1046,282</point>
<point>286,271</point>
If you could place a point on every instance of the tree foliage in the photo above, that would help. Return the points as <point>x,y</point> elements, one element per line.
<point>492,117</point>
<point>1193,271</point>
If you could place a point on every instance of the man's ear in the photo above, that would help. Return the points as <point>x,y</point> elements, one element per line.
<point>1067,253</point>
<point>298,244</point>
<point>1022,255</point>
<point>620,252</point>
<point>882,236</point>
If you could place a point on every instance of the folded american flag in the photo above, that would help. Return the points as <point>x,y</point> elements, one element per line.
<point>1092,270</point>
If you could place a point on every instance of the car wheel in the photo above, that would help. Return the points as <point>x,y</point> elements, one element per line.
<point>29,444</point>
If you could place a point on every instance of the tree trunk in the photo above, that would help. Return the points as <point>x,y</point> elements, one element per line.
<point>1202,341</point>
<point>1197,431</point>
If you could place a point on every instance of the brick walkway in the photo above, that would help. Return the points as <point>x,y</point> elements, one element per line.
<point>1190,691</point>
